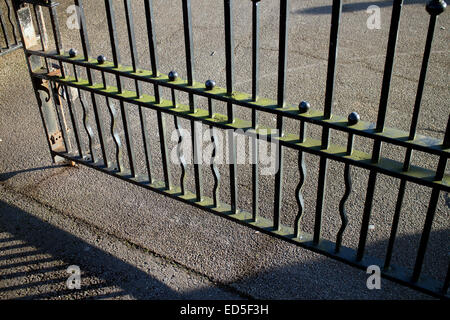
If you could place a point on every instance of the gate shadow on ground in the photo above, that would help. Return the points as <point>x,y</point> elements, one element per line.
<point>354,7</point>
<point>46,251</point>
<point>325,278</point>
<point>52,250</point>
<point>7,175</point>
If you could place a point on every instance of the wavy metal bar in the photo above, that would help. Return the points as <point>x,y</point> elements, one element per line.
<point>13,28</point>
<point>342,212</point>
<point>180,155</point>
<point>115,135</point>
<point>214,169</point>
<point>145,139</point>
<point>86,125</point>
<point>298,193</point>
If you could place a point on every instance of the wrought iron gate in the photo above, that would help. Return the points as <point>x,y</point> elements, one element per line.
<point>66,79</point>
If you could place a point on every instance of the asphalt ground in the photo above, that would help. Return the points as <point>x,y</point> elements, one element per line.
<point>132,243</point>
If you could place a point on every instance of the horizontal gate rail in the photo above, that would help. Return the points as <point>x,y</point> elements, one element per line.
<point>362,128</point>
<point>71,82</point>
<point>389,167</point>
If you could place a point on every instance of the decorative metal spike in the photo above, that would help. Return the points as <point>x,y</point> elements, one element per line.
<point>210,84</point>
<point>101,59</point>
<point>304,106</point>
<point>72,53</point>
<point>353,118</point>
<point>173,75</point>
<point>436,7</point>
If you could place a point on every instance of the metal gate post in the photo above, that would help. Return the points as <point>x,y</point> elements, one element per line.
<point>42,87</point>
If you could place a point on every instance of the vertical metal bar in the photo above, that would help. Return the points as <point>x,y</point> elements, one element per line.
<point>384,98</point>
<point>282,56</point>
<point>388,67</point>
<point>86,53</point>
<point>73,117</point>
<point>148,4</point>
<point>13,27</point>
<point>152,44</point>
<point>255,49</point>
<point>56,34</point>
<point>133,50</point>
<point>146,140</point>
<point>83,32</point>
<point>128,138</point>
<point>162,140</point>
<point>179,153</point>
<point>214,169</point>
<point>423,74</point>
<point>233,170</point>
<point>173,75</point>
<point>189,49</point>
<point>229,58</point>
<point>425,234</point>
<point>229,54</point>
<point>298,190</point>
<point>75,74</point>
<point>87,127</point>
<point>431,208</point>
<point>104,80</point>
<point>116,59</point>
<point>395,221</point>
<point>321,186</point>
<point>255,169</point>
<point>132,40</point>
<point>329,99</point>
<point>348,190</point>
<point>342,211</point>
<point>255,174</point>
<point>255,92</point>
<point>113,39</point>
<point>115,135</point>
<point>331,70</point>
<point>366,214</point>
<point>282,65</point>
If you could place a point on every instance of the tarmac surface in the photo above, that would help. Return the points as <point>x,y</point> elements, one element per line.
<point>131,243</point>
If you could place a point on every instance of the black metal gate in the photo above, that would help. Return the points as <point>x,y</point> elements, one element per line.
<point>72,77</point>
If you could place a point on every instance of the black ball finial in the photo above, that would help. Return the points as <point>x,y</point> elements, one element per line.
<point>210,84</point>
<point>101,59</point>
<point>72,53</point>
<point>436,7</point>
<point>304,106</point>
<point>353,118</point>
<point>173,75</point>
